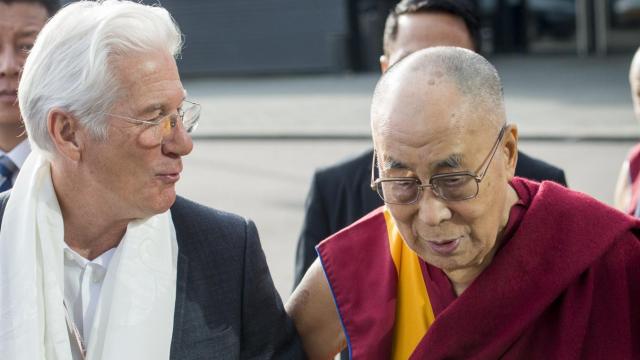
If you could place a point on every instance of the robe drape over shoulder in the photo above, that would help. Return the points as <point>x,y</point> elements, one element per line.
<point>565,284</point>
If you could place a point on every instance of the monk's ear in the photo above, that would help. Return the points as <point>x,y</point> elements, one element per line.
<point>384,63</point>
<point>66,133</point>
<point>510,148</point>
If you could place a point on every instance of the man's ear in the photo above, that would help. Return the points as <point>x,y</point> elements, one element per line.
<point>64,131</point>
<point>510,148</point>
<point>384,63</point>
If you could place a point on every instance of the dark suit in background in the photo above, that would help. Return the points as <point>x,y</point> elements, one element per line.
<point>340,195</point>
<point>226,304</point>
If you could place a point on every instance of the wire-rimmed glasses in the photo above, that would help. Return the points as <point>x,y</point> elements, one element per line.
<point>454,186</point>
<point>188,114</point>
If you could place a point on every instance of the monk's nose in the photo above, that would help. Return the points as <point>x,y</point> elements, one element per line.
<point>433,210</point>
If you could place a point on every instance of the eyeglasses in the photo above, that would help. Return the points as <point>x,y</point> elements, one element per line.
<point>157,129</point>
<point>455,186</point>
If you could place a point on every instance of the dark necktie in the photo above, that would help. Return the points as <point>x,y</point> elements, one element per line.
<point>7,169</point>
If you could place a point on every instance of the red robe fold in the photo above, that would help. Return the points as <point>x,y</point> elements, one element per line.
<point>564,285</point>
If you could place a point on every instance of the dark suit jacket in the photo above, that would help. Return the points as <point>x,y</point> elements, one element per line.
<point>340,195</point>
<point>226,304</point>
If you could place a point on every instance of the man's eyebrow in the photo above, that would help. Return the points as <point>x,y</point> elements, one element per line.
<point>152,108</point>
<point>453,161</point>
<point>390,163</point>
<point>158,106</point>
<point>27,33</point>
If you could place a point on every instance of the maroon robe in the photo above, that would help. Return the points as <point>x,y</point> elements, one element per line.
<point>565,284</point>
<point>363,282</point>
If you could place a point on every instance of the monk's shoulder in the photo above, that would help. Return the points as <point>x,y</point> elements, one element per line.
<point>370,224</point>
<point>570,204</point>
<point>369,232</point>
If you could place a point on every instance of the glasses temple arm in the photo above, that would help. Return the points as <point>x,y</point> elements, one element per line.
<point>373,166</point>
<point>493,153</point>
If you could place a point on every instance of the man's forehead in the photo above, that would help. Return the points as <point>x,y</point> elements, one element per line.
<point>17,16</point>
<point>417,101</point>
<point>437,118</point>
<point>143,64</point>
<point>445,148</point>
<point>422,30</point>
<point>143,69</point>
<point>148,81</point>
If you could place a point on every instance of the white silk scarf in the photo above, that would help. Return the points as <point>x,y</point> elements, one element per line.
<point>134,315</point>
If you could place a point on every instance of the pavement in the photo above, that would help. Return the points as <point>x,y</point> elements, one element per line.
<point>260,139</point>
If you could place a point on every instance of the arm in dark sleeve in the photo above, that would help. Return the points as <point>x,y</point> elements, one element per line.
<point>315,228</point>
<point>561,179</point>
<point>267,330</point>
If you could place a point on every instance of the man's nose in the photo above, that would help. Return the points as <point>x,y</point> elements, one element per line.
<point>433,210</point>
<point>10,62</point>
<point>178,143</point>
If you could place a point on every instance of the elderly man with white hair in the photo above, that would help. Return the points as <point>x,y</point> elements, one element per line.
<point>99,258</point>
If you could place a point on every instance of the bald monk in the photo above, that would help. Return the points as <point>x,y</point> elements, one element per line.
<point>465,260</point>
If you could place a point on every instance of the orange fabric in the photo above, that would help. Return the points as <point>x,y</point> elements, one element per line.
<point>378,288</point>
<point>414,313</point>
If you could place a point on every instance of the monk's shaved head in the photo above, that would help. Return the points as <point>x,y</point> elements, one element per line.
<point>426,74</point>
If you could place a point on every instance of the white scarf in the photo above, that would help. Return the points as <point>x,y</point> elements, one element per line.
<point>134,315</point>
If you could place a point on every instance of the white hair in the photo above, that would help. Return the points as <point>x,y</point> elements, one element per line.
<point>71,64</point>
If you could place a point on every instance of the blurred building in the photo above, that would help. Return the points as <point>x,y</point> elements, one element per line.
<point>248,37</point>
<point>582,27</point>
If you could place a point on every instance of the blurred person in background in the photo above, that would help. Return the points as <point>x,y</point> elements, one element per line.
<point>99,258</point>
<point>627,192</point>
<point>20,23</point>
<point>340,194</point>
<point>466,261</point>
